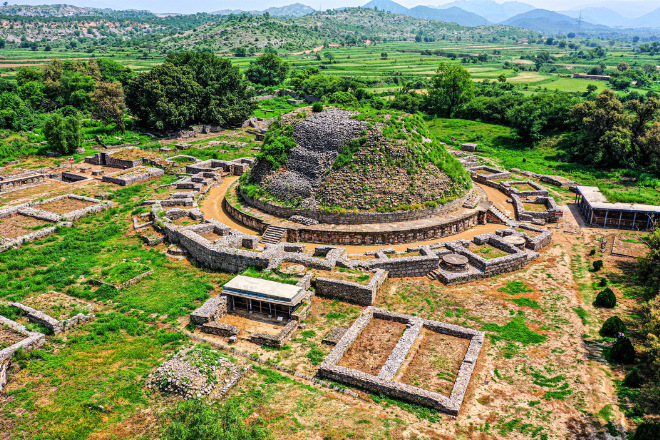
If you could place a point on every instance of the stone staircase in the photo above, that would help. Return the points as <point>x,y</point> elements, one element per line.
<point>500,215</point>
<point>433,275</point>
<point>273,234</point>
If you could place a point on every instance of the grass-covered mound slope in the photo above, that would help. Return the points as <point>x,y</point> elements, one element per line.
<point>339,160</point>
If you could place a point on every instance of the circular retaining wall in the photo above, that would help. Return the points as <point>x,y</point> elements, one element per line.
<point>355,218</point>
<point>395,233</point>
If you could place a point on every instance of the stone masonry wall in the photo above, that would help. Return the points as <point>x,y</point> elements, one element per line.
<point>32,339</point>
<point>351,292</point>
<point>383,383</point>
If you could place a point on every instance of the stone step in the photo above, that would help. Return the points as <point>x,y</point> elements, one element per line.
<point>273,234</point>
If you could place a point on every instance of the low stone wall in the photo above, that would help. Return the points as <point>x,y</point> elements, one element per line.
<point>137,175</point>
<point>495,174</point>
<point>351,292</point>
<point>509,189</point>
<point>549,215</point>
<point>408,266</point>
<point>383,383</point>
<point>32,340</point>
<point>234,167</point>
<point>20,182</point>
<point>98,206</point>
<point>213,309</point>
<point>215,257</point>
<point>352,238</point>
<point>39,317</point>
<point>277,340</point>
<point>555,180</point>
<point>543,239</point>
<point>220,329</point>
<point>319,234</point>
<point>31,209</point>
<point>350,218</point>
<point>122,163</point>
<point>479,267</point>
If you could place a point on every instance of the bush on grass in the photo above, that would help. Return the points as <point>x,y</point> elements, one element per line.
<point>612,327</point>
<point>623,351</point>
<point>606,299</point>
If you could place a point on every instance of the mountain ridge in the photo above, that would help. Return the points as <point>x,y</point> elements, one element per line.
<point>448,15</point>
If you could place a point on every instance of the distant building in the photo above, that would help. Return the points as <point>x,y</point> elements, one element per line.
<point>596,77</point>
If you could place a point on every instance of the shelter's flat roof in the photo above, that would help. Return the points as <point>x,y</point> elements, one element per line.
<point>264,290</point>
<point>597,200</point>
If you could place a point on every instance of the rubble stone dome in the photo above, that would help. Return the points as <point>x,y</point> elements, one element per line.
<point>342,160</point>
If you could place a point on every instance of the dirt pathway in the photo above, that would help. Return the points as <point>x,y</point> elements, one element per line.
<point>213,207</point>
<point>499,199</point>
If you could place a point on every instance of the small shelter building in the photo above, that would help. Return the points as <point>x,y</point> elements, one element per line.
<point>597,211</point>
<point>265,297</point>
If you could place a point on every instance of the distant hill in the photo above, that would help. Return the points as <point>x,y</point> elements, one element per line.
<point>348,26</point>
<point>387,5</point>
<point>604,16</point>
<point>550,22</point>
<point>70,11</point>
<point>650,20</point>
<point>449,15</point>
<point>489,9</point>
<point>294,10</point>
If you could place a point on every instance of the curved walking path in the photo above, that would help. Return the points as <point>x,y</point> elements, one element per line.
<point>213,207</point>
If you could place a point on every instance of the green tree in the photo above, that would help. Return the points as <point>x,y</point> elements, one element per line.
<point>329,56</point>
<point>225,97</point>
<point>195,420</point>
<point>451,88</point>
<point>108,101</point>
<point>63,134</point>
<point>267,70</point>
<point>190,88</point>
<point>166,97</point>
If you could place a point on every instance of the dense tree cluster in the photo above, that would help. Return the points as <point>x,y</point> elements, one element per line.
<point>190,88</point>
<point>615,133</point>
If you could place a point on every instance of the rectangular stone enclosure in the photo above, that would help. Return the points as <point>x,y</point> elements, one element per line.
<point>387,380</point>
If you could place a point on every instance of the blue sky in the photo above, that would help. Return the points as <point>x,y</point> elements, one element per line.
<point>193,6</point>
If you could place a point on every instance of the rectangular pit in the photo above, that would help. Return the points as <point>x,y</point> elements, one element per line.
<point>65,205</point>
<point>18,225</point>
<point>372,348</point>
<point>435,363</point>
<point>364,346</point>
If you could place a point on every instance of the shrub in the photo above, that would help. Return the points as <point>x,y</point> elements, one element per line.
<point>647,431</point>
<point>632,379</point>
<point>317,107</point>
<point>623,351</point>
<point>343,98</point>
<point>195,419</point>
<point>592,252</point>
<point>606,299</point>
<point>598,265</point>
<point>613,326</point>
<point>602,282</point>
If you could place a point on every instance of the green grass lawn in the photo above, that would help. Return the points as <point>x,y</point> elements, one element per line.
<point>501,147</point>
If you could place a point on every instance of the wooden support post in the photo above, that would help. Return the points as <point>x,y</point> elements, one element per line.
<point>605,222</point>
<point>648,222</point>
<point>233,302</point>
<point>250,305</point>
<point>620,216</point>
<point>634,217</point>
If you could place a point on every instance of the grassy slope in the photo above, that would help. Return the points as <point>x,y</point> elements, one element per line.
<point>500,146</point>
